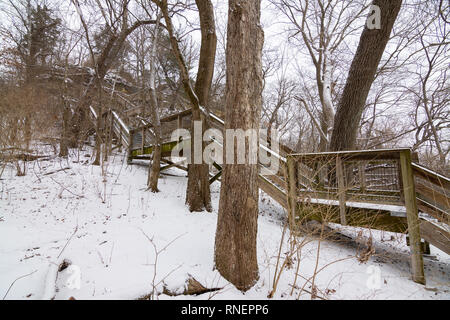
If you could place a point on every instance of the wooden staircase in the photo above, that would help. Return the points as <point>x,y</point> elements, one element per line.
<point>346,181</point>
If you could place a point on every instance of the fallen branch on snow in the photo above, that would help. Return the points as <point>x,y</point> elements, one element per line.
<point>29,274</point>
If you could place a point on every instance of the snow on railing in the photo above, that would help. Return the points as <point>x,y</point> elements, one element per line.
<point>120,121</point>
<point>93,112</point>
<point>430,172</point>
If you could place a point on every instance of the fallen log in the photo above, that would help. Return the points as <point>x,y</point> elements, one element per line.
<point>55,171</point>
<point>23,157</point>
<point>192,287</point>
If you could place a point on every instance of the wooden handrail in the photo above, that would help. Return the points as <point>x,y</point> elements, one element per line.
<point>170,118</point>
<point>356,155</point>
<point>431,176</point>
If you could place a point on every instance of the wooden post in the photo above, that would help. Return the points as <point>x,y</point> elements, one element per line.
<point>400,182</point>
<point>179,122</point>
<point>341,190</point>
<point>412,216</point>
<point>143,140</point>
<point>425,244</point>
<point>291,176</point>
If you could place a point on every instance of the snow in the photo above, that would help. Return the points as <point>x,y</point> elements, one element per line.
<point>104,224</point>
<point>363,205</point>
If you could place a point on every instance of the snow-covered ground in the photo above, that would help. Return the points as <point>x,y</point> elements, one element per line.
<point>109,227</point>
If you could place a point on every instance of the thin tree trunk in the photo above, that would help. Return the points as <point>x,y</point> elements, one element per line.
<point>153,174</point>
<point>76,124</point>
<point>323,79</point>
<point>108,135</point>
<point>63,143</point>
<point>361,76</point>
<point>198,196</point>
<point>235,243</point>
<point>98,138</point>
<point>184,74</point>
<point>27,130</point>
<point>98,128</point>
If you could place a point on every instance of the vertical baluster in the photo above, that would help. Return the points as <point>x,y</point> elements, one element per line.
<point>341,190</point>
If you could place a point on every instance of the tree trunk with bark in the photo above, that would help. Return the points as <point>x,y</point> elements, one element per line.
<point>198,195</point>
<point>235,243</point>
<point>76,124</point>
<point>361,76</point>
<point>102,64</point>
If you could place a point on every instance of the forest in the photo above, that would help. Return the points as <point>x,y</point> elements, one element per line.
<point>212,149</point>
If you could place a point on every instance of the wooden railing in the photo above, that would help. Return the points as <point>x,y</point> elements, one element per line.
<point>120,128</point>
<point>432,193</point>
<point>376,180</point>
<point>433,198</point>
<point>141,142</point>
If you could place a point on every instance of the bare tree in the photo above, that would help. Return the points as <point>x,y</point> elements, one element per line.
<point>198,194</point>
<point>324,28</point>
<point>278,107</point>
<point>431,93</point>
<point>34,33</point>
<point>117,21</point>
<point>65,104</point>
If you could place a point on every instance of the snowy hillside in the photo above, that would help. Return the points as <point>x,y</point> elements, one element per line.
<point>110,228</point>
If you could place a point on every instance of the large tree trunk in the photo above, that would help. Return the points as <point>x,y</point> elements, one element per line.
<point>235,244</point>
<point>361,76</point>
<point>198,196</point>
